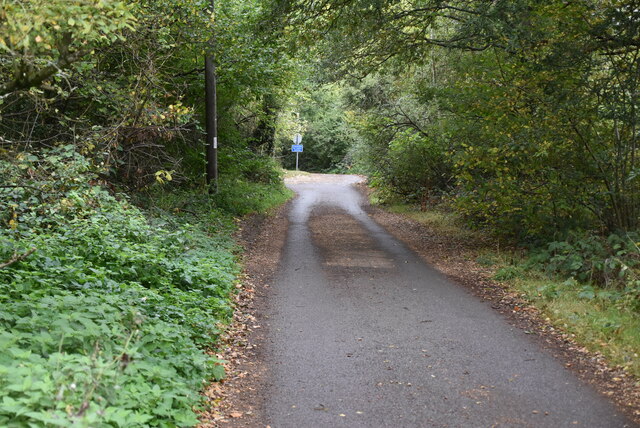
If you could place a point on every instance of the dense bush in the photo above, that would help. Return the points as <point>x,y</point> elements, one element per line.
<point>401,145</point>
<point>106,323</point>
<point>591,258</point>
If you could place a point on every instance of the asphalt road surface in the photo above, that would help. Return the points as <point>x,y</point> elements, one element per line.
<point>363,333</point>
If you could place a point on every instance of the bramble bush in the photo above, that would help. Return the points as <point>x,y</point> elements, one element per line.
<point>107,322</point>
<point>590,258</point>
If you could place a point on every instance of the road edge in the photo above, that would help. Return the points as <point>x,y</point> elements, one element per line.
<point>238,400</point>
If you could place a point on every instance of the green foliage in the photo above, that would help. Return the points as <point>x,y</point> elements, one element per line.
<point>589,286</point>
<point>242,197</point>
<point>508,272</point>
<point>245,165</point>
<point>530,108</point>
<point>401,144</point>
<point>108,321</point>
<point>123,80</point>
<point>327,134</point>
<point>591,259</point>
<point>42,38</point>
<point>606,320</point>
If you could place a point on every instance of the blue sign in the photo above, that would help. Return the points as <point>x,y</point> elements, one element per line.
<point>296,148</point>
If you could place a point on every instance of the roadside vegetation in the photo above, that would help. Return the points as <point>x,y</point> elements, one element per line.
<point>117,262</point>
<point>108,320</point>
<point>110,312</point>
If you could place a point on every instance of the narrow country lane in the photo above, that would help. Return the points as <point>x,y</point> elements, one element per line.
<point>362,333</point>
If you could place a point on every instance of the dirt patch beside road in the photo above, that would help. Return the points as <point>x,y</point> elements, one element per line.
<point>238,401</point>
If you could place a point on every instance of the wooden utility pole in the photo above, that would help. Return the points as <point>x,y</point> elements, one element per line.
<point>211,112</point>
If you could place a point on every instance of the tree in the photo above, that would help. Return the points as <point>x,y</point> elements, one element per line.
<point>41,39</point>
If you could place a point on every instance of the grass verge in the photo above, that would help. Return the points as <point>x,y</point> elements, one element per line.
<point>443,222</point>
<point>603,320</point>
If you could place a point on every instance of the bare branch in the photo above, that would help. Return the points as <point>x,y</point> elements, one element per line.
<point>17,258</point>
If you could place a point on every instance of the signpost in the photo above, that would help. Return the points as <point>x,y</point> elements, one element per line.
<point>297,147</point>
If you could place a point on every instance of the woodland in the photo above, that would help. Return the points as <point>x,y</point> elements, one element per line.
<point>117,261</point>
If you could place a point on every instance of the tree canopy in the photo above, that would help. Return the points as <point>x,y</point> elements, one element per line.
<point>528,108</point>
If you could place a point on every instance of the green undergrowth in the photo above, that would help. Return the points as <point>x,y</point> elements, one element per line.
<point>586,285</point>
<point>234,199</point>
<point>241,197</point>
<point>109,320</point>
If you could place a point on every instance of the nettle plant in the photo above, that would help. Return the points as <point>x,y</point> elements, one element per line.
<point>108,320</point>
<point>610,261</point>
